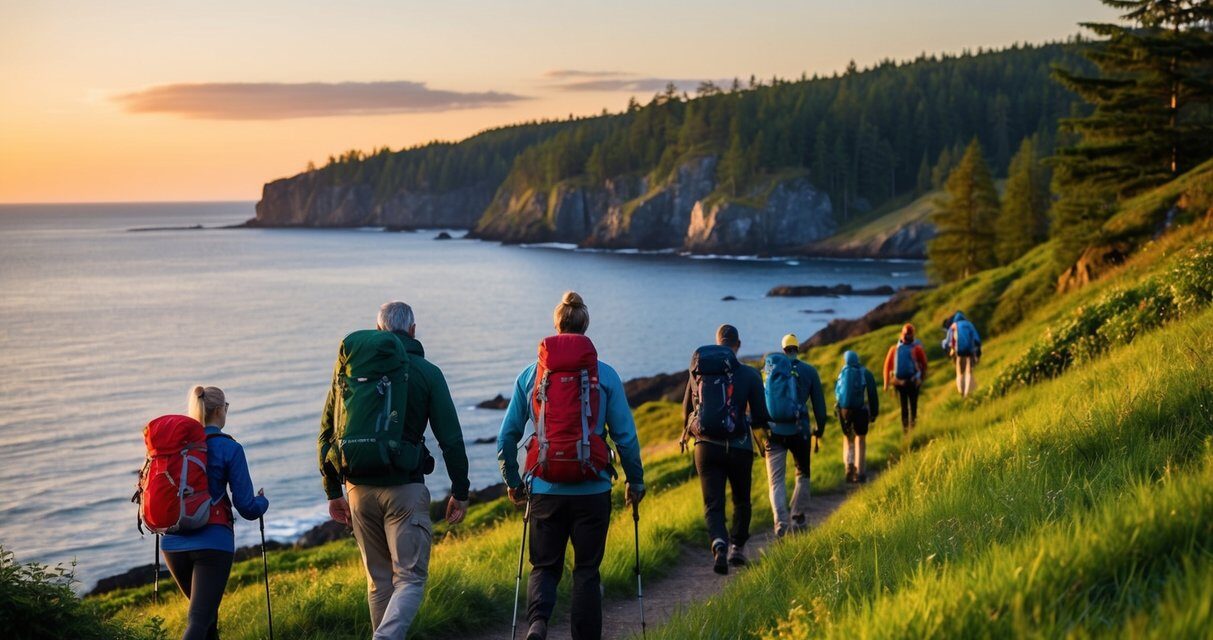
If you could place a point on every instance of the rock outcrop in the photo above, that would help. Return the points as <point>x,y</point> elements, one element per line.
<point>682,212</point>
<point>310,200</point>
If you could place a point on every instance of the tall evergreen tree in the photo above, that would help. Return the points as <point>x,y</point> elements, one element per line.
<point>1024,220</point>
<point>1152,116</point>
<point>964,220</point>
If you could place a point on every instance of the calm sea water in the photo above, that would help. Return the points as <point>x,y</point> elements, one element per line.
<point>102,329</point>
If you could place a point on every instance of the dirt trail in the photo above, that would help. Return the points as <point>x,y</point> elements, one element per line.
<point>691,581</point>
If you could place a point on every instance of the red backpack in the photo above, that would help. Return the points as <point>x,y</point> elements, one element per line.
<point>564,406</point>
<point>174,494</point>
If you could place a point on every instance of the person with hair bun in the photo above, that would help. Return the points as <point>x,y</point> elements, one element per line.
<point>201,560</point>
<point>561,511</point>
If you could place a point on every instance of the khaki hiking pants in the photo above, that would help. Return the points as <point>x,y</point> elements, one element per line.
<point>778,448</point>
<point>393,531</point>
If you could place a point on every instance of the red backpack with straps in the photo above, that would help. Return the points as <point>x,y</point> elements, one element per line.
<point>174,493</point>
<point>564,406</point>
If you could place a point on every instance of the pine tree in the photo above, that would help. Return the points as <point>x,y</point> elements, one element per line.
<point>964,220</point>
<point>1151,119</point>
<point>1024,220</point>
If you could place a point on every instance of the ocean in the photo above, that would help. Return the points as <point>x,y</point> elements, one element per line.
<point>102,329</point>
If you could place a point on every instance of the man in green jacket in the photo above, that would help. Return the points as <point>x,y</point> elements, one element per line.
<point>389,512</point>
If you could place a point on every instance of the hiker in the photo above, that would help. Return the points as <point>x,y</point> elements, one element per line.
<point>855,385</point>
<point>905,367</point>
<point>790,385</point>
<point>563,393</point>
<point>963,344</point>
<point>200,560</point>
<point>719,394</point>
<point>372,443</point>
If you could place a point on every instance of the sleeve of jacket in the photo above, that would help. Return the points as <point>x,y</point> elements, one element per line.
<point>688,402</point>
<point>817,398</point>
<point>873,394</point>
<point>759,418</point>
<point>889,361</point>
<point>512,425</point>
<point>248,505</point>
<point>324,442</point>
<point>621,427</point>
<point>947,338</point>
<point>444,422</point>
<point>920,356</point>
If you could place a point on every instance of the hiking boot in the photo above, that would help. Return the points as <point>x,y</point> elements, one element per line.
<point>538,630</point>
<point>736,556</point>
<point>850,474</point>
<point>862,478</point>
<point>720,553</point>
<point>799,524</point>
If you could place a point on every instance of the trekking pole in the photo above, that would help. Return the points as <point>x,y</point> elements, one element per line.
<point>156,579</point>
<point>639,588</point>
<point>526,516</point>
<point>265,564</point>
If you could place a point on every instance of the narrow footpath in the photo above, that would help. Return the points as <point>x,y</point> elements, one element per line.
<point>691,581</point>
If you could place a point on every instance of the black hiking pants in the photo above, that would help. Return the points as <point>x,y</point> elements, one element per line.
<point>201,576</point>
<point>908,394</point>
<point>554,521</point>
<point>718,465</point>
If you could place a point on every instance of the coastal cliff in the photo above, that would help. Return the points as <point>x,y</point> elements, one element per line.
<point>686,211</point>
<point>307,200</point>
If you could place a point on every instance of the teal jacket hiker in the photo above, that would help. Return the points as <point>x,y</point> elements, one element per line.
<point>808,384</point>
<point>225,467</point>
<point>614,420</point>
<point>841,393</point>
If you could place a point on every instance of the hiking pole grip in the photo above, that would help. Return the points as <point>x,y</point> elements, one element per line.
<point>265,564</point>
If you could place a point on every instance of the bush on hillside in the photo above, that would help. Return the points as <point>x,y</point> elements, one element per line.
<point>1117,318</point>
<point>37,602</point>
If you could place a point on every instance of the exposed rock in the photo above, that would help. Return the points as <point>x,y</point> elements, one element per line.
<point>1093,263</point>
<point>794,214</point>
<point>822,291</point>
<point>728,298</point>
<point>896,309</point>
<point>310,200</point>
<point>323,533</point>
<point>141,575</point>
<point>442,235</point>
<point>820,311</point>
<point>500,402</point>
<point>663,386</point>
<point>908,241</point>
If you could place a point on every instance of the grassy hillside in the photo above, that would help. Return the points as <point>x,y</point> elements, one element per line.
<point>1072,503</point>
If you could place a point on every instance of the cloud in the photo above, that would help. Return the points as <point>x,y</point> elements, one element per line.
<point>564,74</point>
<point>619,81</point>
<point>279,101</point>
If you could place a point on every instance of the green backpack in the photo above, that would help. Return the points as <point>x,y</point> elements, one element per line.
<point>370,389</point>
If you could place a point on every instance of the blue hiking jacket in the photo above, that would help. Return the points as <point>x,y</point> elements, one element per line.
<point>225,467</point>
<point>951,333</point>
<point>614,421</point>
<point>869,381</point>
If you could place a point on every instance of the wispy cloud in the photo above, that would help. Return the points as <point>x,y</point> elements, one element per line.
<point>620,81</point>
<point>564,74</point>
<point>279,101</point>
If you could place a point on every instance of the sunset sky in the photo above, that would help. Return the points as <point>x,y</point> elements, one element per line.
<point>144,101</point>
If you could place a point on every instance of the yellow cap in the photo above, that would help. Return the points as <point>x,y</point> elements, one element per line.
<point>790,341</point>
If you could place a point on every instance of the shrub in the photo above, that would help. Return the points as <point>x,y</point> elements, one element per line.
<point>37,602</point>
<point>1117,318</point>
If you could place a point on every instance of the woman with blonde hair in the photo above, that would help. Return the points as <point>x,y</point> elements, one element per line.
<point>575,400</point>
<point>201,560</point>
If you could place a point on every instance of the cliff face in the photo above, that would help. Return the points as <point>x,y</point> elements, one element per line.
<point>680,213</point>
<point>306,201</point>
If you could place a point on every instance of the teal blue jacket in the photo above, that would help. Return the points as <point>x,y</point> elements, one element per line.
<point>614,421</point>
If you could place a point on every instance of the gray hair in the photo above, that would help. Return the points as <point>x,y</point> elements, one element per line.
<point>395,316</point>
